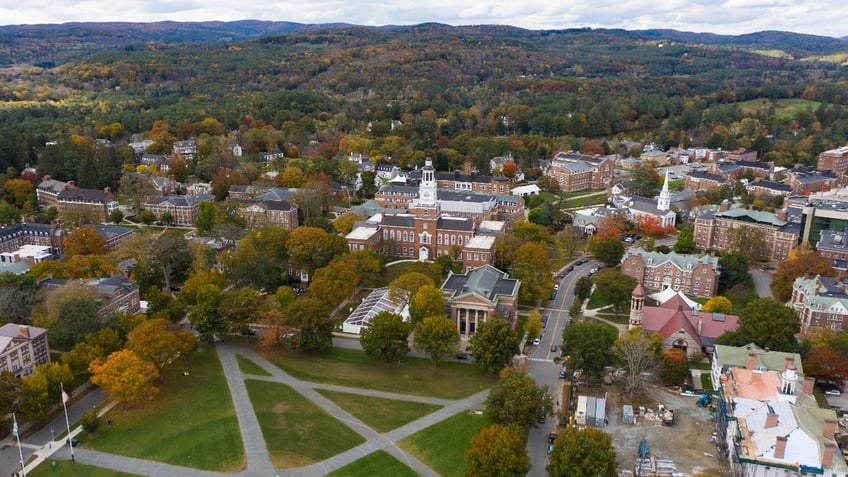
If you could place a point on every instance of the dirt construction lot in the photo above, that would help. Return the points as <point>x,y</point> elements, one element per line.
<point>687,442</point>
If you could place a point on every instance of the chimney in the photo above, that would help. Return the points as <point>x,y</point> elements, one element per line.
<point>809,385</point>
<point>829,428</point>
<point>725,206</point>
<point>780,447</point>
<point>771,420</point>
<point>756,376</point>
<point>782,214</point>
<point>752,361</point>
<point>789,363</point>
<point>827,454</point>
<point>24,331</point>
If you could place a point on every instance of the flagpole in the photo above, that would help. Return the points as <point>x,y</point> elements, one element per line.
<point>67,422</point>
<point>18,436</point>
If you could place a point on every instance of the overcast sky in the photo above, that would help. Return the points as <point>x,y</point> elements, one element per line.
<point>821,17</point>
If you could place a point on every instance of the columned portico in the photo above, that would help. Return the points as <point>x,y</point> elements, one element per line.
<point>468,319</point>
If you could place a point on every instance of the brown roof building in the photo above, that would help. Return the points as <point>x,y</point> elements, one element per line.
<point>835,160</point>
<point>22,348</point>
<point>479,295</point>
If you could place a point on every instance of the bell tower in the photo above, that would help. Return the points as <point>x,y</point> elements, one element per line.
<point>637,304</point>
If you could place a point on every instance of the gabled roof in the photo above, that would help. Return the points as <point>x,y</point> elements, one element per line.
<point>728,356</point>
<point>707,176</point>
<point>486,282</point>
<point>682,261</point>
<point>399,220</point>
<point>84,195</point>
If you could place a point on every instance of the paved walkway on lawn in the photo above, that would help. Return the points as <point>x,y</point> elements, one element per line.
<point>256,453</point>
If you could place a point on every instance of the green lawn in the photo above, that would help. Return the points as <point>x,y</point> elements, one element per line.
<point>412,376</point>
<point>191,422</point>
<point>784,108</point>
<point>378,463</point>
<point>249,367</point>
<point>379,414</point>
<point>73,469</point>
<point>442,446</point>
<point>296,431</point>
<point>706,381</point>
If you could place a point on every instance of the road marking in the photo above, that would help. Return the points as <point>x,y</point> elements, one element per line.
<point>540,360</point>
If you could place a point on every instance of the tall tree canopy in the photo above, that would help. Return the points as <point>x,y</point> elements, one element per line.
<point>590,345</point>
<point>582,453</point>
<point>436,336</point>
<point>518,400</point>
<point>801,261</point>
<point>497,450</point>
<point>493,345</point>
<point>768,323</point>
<point>386,336</point>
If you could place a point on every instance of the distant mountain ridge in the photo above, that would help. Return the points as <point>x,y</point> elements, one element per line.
<point>52,44</point>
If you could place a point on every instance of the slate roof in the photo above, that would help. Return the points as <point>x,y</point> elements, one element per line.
<point>707,176</point>
<point>740,213</point>
<point>181,200</point>
<point>728,356</point>
<point>680,260</point>
<point>486,281</point>
<point>399,220</point>
<point>111,232</point>
<point>76,194</point>
<point>459,224</point>
<point>27,228</point>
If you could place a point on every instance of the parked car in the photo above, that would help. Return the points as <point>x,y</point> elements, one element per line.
<point>569,268</point>
<point>562,374</point>
<point>554,348</point>
<point>537,342</point>
<point>594,270</point>
<point>582,261</point>
<point>462,357</point>
<point>833,392</point>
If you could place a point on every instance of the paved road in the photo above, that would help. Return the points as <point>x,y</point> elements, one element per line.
<point>9,456</point>
<point>545,371</point>
<point>256,453</point>
<point>762,282</point>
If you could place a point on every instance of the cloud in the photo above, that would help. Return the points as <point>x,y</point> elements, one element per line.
<point>718,16</point>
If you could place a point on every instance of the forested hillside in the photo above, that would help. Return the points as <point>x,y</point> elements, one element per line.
<point>460,94</point>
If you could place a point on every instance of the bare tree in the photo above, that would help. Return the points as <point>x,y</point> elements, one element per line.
<point>637,352</point>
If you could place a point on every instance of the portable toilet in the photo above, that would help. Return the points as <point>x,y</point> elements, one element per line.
<point>627,414</point>
<point>580,413</point>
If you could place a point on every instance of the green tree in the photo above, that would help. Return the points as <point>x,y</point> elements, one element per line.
<point>9,214</point>
<point>75,315</point>
<point>582,453</point>
<point>146,217</point>
<point>311,248</point>
<point>575,310</point>
<point>608,250</point>
<point>718,304</point>
<point>204,316</point>
<point>18,294</point>
<point>497,450</point>
<point>615,288</point>
<point>386,335</point>
<point>311,319</point>
<point>95,346</point>
<point>427,301</point>
<point>17,191</point>
<point>749,241</point>
<point>533,325</point>
<point>259,259</point>
<point>685,240</point>
<point>518,400</point>
<point>402,288</point>
<point>493,345</point>
<point>205,219</point>
<point>135,189</point>
<point>116,217</point>
<point>766,322</point>
<point>590,345</point>
<point>734,270</point>
<point>532,267</point>
<point>41,390</point>
<point>583,288</point>
<point>436,336</point>
<point>336,282</point>
<point>645,182</point>
<point>239,307</point>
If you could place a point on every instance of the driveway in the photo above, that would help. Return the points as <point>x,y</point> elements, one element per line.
<point>762,281</point>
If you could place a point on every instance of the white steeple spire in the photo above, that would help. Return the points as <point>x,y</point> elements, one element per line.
<point>664,201</point>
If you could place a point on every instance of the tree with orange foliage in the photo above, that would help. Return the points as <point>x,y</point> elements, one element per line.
<point>801,261</point>
<point>160,342</point>
<point>124,376</point>
<point>610,226</point>
<point>651,226</point>
<point>675,367</point>
<point>84,241</point>
<point>509,169</point>
<point>826,364</point>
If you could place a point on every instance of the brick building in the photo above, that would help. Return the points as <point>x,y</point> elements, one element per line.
<point>423,232</point>
<point>22,348</point>
<point>835,160</point>
<point>712,230</point>
<point>697,180</point>
<point>183,208</point>
<point>258,213</point>
<point>574,171</point>
<point>694,275</point>
<point>473,183</point>
<point>64,196</point>
<point>821,303</point>
<point>833,247</point>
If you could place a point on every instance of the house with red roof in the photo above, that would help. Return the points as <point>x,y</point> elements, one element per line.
<point>680,325</point>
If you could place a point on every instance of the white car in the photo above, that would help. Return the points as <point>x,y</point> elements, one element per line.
<point>833,392</point>
<point>537,342</point>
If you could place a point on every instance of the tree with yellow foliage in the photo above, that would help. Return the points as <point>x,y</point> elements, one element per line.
<point>125,376</point>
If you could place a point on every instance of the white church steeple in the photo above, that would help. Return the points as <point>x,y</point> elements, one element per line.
<point>427,189</point>
<point>664,201</point>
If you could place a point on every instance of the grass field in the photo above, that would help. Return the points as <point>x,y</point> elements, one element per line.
<point>190,423</point>
<point>412,376</point>
<point>378,463</point>
<point>296,431</point>
<point>249,367</point>
<point>74,469</point>
<point>379,414</point>
<point>784,108</point>
<point>442,446</point>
